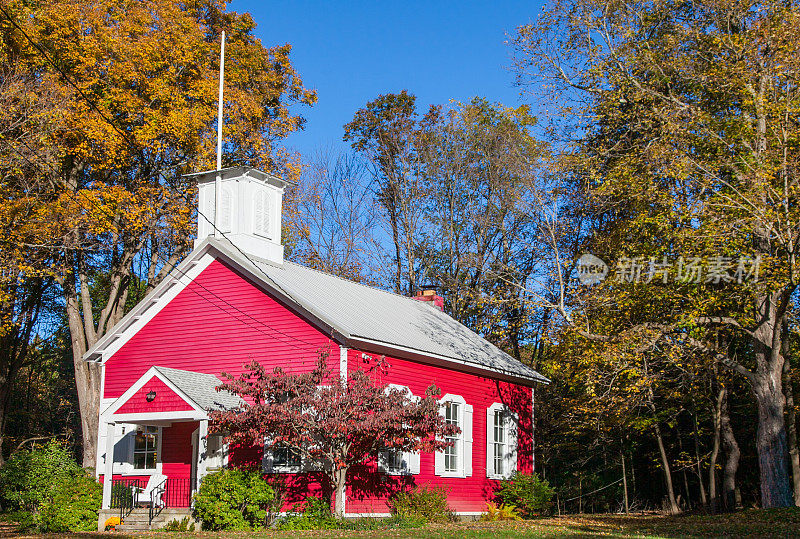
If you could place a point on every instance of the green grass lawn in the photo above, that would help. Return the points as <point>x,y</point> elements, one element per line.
<point>751,523</point>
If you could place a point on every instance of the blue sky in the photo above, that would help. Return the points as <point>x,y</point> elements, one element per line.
<point>351,52</point>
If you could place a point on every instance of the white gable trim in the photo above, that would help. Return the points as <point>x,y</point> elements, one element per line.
<point>152,372</point>
<point>178,279</point>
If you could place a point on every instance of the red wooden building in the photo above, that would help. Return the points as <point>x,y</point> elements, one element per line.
<point>234,299</point>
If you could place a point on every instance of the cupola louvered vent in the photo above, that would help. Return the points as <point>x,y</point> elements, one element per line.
<point>249,210</point>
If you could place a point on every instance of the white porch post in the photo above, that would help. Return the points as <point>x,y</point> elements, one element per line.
<point>109,466</point>
<point>202,450</point>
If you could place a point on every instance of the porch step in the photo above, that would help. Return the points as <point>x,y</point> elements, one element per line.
<point>139,519</point>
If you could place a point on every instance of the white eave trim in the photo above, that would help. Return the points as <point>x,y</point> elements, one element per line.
<point>179,278</point>
<point>444,361</point>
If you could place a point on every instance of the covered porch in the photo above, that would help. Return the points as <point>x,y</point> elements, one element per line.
<point>156,443</point>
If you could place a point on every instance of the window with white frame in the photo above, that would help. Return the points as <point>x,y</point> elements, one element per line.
<point>282,459</point>
<point>501,442</point>
<point>452,414</point>
<point>393,461</point>
<point>145,448</point>
<point>456,459</point>
<point>285,458</point>
<point>216,452</point>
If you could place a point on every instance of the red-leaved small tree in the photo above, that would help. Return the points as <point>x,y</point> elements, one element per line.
<point>335,422</point>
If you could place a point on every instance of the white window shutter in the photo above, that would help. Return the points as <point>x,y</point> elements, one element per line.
<point>225,209</point>
<point>511,456</point>
<point>258,212</point>
<point>261,213</point>
<point>467,437</point>
<point>267,214</point>
<point>208,210</point>
<point>413,463</point>
<point>489,442</point>
<point>438,463</point>
<point>382,461</point>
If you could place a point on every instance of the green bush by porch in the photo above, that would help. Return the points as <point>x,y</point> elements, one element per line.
<point>234,500</point>
<point>50,490</point>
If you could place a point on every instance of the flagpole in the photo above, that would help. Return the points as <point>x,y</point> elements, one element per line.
<point>218,181</point>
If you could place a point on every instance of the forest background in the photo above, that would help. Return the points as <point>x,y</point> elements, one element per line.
<point>660,136</point>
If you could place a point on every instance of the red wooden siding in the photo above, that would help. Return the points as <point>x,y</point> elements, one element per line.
<point>220,322</point>
<point>166,399</point>
<point>368,491</point>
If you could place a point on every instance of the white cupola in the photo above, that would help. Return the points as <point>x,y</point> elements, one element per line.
<point>250,203</point>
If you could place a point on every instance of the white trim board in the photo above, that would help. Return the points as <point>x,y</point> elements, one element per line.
<point>180,277</point>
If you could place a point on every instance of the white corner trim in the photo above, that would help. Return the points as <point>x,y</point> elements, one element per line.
<point>111,414</point>
<point>150,306</point>
<point>533,433</point>
<point>343,362</point>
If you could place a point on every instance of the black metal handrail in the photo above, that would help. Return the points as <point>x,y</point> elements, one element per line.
<point>158,496</point>
<point>179,492</point>
<point>123,494</point>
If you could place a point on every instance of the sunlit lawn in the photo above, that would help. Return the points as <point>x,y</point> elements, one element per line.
<point>751,523</point>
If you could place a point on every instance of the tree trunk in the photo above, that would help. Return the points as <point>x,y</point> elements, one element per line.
<point>624,482</point>
<point>712,466</point>
<point>773,450</point>
<point>673,504</point>
<point>339,486</point>
<point>766,383</point>
<point>731,448</point>
<point>703,499</point>
<point>6,385</point>
<point>87,379</point>
<point>791,418</point>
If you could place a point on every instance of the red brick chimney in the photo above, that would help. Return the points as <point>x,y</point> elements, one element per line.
<point>431,297</point>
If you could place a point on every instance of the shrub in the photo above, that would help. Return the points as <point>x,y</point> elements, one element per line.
<point>28,476</point>
<point>529,494</point>
<point>504,512</point>
<point>315,514</point>
<point>182,525</point>
<point>72,506</point>
<point>54,492</point>
<point>233,500</point>
<point>426,504</point>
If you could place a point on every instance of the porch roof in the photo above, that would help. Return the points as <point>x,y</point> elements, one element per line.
<point>181,395</point>
<point>201,388</point>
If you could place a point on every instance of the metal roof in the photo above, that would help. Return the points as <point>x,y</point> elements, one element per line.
<point>366,313</point>
<point>201,388</point>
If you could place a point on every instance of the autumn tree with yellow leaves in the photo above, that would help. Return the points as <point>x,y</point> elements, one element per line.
<point>136,83</point>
